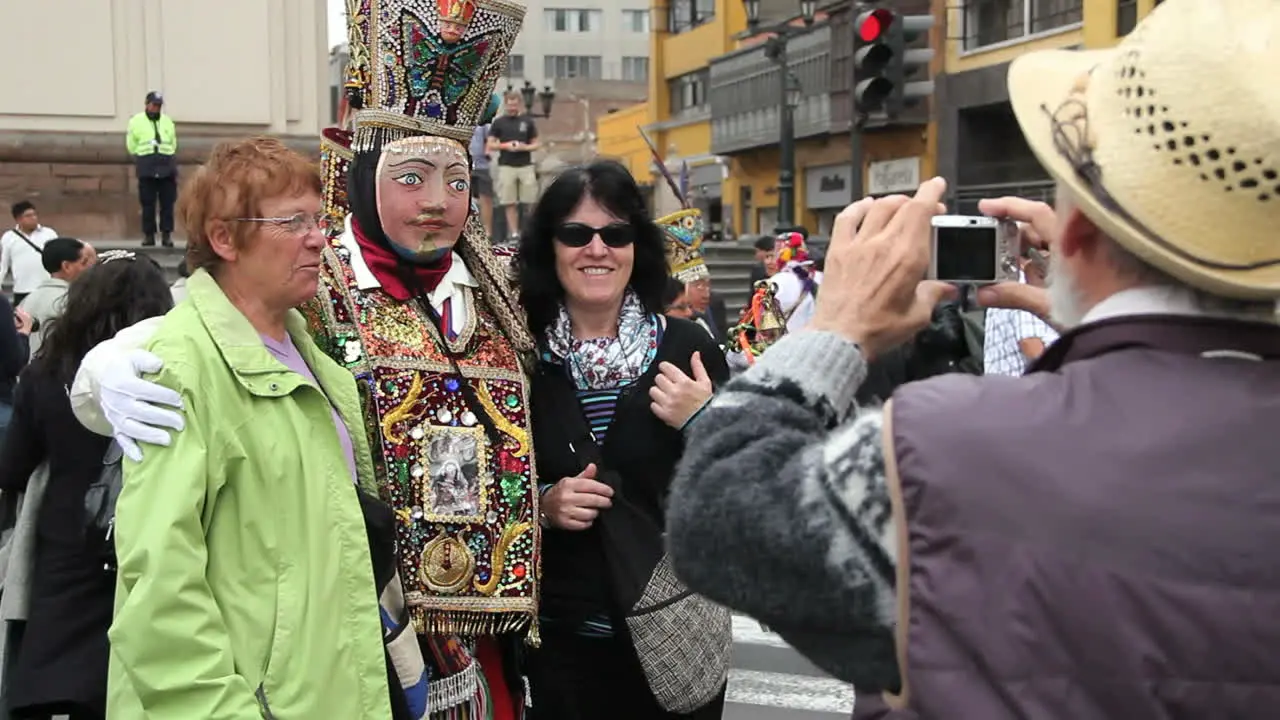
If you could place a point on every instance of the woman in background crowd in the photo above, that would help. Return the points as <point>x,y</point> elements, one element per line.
<point>60,666</point>
<point>615,385</point>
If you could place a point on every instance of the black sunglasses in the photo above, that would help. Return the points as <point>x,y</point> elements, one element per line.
<point>614,235</point>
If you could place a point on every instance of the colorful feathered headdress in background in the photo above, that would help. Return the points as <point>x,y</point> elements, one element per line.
<point>683,229</point>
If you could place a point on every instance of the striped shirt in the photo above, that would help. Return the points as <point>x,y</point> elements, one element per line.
<point>599,408</point>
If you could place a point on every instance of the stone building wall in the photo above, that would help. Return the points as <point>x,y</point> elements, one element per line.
<point>83,183</point>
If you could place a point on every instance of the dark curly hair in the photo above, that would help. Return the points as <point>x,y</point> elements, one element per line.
<point>611,185</point>
<point>102,301</point>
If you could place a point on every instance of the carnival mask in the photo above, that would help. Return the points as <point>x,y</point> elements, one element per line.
<point>424,196</point>
<point>455,16</point>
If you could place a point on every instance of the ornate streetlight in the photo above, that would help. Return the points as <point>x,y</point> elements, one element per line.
<point>790,95</point>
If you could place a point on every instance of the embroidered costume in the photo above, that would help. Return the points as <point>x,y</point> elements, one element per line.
<point>436,340</point>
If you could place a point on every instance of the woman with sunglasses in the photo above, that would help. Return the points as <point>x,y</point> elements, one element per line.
<point>615,384</point>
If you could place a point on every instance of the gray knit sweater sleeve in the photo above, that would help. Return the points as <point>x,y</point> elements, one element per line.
<point>779,508</point>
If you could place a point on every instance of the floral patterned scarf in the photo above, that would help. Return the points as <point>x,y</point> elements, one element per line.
<point>607,363</point>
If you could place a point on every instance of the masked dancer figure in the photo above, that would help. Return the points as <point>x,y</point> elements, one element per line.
<point>418,305</point>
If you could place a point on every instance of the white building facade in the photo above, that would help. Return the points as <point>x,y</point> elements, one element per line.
<point>239,65</point>
<point>592,39</point>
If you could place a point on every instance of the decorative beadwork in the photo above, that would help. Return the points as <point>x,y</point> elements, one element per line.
<point>684,230</point>
<point>467,537</point>
<point>335,161</point>
<point>427,67</point>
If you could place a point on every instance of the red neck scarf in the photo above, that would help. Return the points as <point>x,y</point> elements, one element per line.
<point>390,269</point>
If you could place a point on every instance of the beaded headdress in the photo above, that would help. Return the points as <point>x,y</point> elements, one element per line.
<point>683,229</point>
<point>426,67</point>
<point>790,247</point>
<point>335,161</point>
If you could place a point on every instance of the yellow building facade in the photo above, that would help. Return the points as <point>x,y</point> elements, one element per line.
<point>679,50</point>
<point>980,149</point>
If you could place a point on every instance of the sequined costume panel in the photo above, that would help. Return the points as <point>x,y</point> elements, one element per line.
<point>467,529</point>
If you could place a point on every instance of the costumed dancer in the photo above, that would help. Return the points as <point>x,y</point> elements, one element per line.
<point>416,302</point>
<point>684,228</point>
<point>796,282</point>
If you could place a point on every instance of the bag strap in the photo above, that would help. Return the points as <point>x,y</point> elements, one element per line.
<point>31,244</point>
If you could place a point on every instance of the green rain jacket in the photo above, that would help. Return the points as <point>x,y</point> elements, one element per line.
<point>245,586</point>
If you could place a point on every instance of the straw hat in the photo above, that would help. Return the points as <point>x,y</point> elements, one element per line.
<point>1170,142</point>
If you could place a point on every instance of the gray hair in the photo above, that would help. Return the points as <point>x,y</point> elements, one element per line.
<point>1131,267</point>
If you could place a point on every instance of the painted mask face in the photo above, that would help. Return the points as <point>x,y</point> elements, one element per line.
<point>455,16</point>
<point>424,196</point>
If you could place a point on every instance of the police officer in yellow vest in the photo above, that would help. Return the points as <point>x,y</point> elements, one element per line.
<point>152,140</point>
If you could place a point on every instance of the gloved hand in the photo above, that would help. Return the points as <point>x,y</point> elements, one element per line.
<point>136,407</point>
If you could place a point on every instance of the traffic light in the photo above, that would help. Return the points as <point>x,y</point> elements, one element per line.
<point>886,61</point>
<point>871,57</point>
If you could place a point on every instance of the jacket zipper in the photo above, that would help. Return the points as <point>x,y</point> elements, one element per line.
<point>261,694</point>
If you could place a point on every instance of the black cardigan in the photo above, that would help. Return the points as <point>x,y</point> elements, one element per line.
<point>640,447</point>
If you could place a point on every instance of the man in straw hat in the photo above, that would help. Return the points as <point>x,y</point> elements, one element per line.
<point>418,305</point>
<point>1093,540</point>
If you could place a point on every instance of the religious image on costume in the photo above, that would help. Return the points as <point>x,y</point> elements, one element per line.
<point>453,474</point>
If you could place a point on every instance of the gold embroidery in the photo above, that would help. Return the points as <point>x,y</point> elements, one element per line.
<point>403,411</point>
<point>502,423</point>
<point>498,566</point>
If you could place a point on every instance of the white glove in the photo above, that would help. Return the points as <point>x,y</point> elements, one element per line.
<point>133,405</point>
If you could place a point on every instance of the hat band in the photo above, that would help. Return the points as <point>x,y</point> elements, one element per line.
<point>375,128</point>
<point>1080,157</point>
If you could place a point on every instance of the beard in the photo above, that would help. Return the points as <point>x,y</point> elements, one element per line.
<point>1066,303</point>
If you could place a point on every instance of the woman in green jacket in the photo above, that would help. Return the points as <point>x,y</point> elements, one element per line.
<point>246,587</point>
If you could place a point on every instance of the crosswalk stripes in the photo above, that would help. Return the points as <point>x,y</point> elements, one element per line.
<point>769,679</point>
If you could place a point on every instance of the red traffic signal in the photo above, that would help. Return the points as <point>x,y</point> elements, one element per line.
<point>873,24</point>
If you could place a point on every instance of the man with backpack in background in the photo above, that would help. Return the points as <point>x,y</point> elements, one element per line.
<point>21,249</point>
<point>152,141</point>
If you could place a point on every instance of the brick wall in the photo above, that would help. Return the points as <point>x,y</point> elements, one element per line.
<point>83,183</point>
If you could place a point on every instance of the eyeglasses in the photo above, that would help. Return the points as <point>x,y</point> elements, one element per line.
<point>297,224</point>
<point>614,235</point>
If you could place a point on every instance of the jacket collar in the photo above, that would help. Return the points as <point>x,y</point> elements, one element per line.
<point>239,343</point>
<point>1183,334</point>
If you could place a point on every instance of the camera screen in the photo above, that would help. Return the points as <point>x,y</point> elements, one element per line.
<point>966,254</point>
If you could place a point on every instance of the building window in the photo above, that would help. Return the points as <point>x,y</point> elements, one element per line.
<point>689,91</point>
<point>1126,17</point>
<point>515,66</point>
<point>987,22</point>
<point>685,15</point>
<point>635,69</point>
<point>636,21</point>
<point>573,66</point>
<point>573,21</point>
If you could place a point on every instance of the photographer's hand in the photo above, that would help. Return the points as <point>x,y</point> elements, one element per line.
<point>872,292</point>
<point>1037,221</point>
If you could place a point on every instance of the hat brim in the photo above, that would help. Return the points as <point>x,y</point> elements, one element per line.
<point>1046,79</point>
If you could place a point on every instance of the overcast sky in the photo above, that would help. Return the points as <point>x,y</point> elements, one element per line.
<point>337,23</point>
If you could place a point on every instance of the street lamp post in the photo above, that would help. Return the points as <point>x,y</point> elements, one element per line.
<point>790,93</point>
<point>546,97</point>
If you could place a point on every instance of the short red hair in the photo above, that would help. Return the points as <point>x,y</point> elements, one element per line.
<point>232,183</point>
